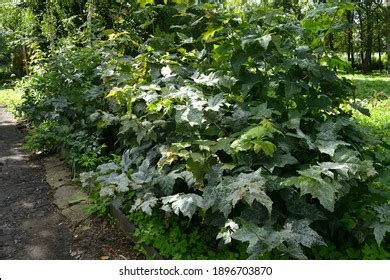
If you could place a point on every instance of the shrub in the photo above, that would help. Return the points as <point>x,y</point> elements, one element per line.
<point>227,128</point>
<point>233,124</point>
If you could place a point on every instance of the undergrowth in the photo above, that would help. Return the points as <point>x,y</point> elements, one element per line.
<point>10,98</point>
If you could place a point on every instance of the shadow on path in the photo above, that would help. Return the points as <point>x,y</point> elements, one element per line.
<point>30,226</point>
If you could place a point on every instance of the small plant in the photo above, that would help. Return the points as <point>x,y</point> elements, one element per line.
<point>176,238</point>
<point>48,137</point>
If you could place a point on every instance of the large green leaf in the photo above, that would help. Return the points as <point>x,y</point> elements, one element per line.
<point>246,187</point>
<point>189,115</point>
<point>255,139</point>
<point>112,183</point>
<point>175,152</point>
<point>280,160</point>
<point>327,137</point>
<point>312,182</point>
<point>362,169</point>
<point>238,60</point>
<point>380,231</point>
<point>251,40</point>
<point>329,147</point>
<point>382,226</point>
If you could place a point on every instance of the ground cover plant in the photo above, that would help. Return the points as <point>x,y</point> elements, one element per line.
<point>218,131</point>
<point>10,98</point>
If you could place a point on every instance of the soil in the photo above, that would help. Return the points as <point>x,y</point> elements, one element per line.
<point>97,239</point>
<point>31,226</point>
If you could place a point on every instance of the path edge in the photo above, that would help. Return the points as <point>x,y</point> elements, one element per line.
<point>59,177</point>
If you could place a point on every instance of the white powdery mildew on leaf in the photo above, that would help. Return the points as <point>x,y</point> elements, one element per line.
<point>246,186</point>
<point>295,233</point>
<point>187,204</point>
<point>145,204</point>
<point>112,183</point>
<point>226,233</point>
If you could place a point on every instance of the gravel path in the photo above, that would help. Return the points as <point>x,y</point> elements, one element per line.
<point>30,225</point>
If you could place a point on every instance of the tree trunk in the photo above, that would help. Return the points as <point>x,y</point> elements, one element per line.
<point>379,41</point>
<point>387,15</point>
<point>362,36</point>
<point>331,41</point>
<point>369,39</point>
<point>19,60</point>
<point>26,58</point>
<point>350,49</point>
<point>89,21</point>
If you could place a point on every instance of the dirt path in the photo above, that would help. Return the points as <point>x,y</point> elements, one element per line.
<point>30,226</point>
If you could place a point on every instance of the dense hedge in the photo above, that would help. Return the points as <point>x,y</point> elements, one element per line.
<point>220,124</point>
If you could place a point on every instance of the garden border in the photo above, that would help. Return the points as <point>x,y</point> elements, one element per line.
<point>58,176</point>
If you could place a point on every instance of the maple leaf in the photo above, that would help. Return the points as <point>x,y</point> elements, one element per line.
<point>246,186</point>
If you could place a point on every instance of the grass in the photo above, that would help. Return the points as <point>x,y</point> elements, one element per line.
<point>10,98</point>
<point>379,121</point>
<point>374,92</point>
<point>370,86</point>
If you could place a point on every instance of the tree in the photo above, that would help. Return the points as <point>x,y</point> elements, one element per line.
<point>387,20</point>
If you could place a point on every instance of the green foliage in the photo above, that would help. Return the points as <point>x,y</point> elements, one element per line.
<point>5,58</point>
<point>19,24</point>
<point>47,137</point>
<point>235,131</point>
<point>368,251</point>
<point>175,238</point>
<point>60,101</point>
<point>10,98</point>
<point>229,132</point>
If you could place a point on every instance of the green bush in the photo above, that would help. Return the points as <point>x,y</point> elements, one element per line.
<point>232,124</point>
<point>48,137</point>
<point>62,100</point>
<point>227,130</point>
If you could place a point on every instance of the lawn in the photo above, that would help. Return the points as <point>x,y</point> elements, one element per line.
<point>373,86</point>
<point>374,92</point>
